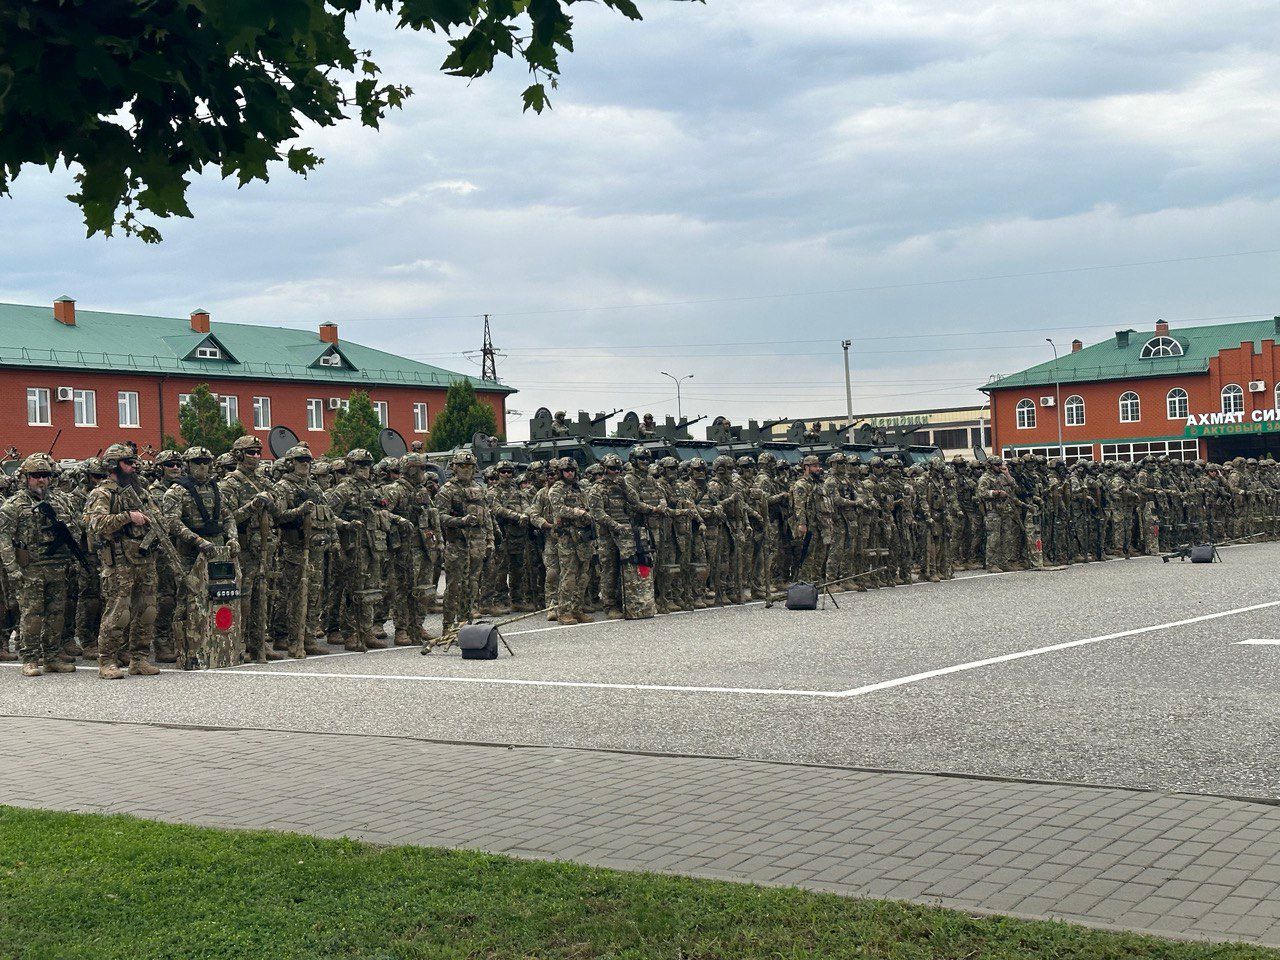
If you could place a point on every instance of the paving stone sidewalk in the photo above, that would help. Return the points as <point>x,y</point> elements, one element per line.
<point>1175,865</point>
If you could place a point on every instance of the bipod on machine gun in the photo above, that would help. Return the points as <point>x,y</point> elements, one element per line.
<point>771,599</point>
<point>1203,552</point>
<point>479,639</point>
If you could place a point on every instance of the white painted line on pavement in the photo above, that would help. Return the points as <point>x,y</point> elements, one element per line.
<point>1258,643</point>
<point>767,691</point>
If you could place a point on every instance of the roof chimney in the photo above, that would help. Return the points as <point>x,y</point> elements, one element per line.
<point>329,332</point>
<point>1076,346</point>
<point>1122,338</point>
<point>64,311</point>
<point>1162,326</point>
<point>200,320</point>
<point>1276,322</point>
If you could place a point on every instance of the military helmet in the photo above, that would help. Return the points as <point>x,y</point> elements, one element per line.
<point>669,463</point>
<point>697,463</point>
<point>639,452</point>
<point>535,466</point>
<point>560,414</point>
<point>166,457</point>
<point>767,457</point>
<point>722,462</point>
<point>611,461</point>
<point>745,462</point>
<point>997,462</point>
<point>197,453</point>
<point>227,459</point>
<point>413,459</point>
<point>390,464</point>
<point>247,442</point>
<point>811,461</point>
<point>877,461</point>
<point>567,463</point>
<point>321,468</point>
<point>463,458</point>
<point>93,466</point>
<point>359,456</point>
<point>594,470</point>
<point>299,451</point>
<point>505,466</point>
<point>837,458</point>
<point>112,456</point>
<point>37,463</point>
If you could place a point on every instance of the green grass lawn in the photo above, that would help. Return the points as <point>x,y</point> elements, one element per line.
<point>90,886</point>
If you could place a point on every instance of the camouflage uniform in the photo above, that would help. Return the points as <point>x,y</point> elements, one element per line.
<point>358,504</point>
<point>619,515</point>
<point>202,526</point>
<point>575,543</point>
<point>247,497</point>
<point>998,495</point>
<point>813,518</point>
<point>170,466</point>
<point>407,499</point>
<point>468,539</point>
<point>508,576</point>
<point>298,503</point>
<point>37,561</point>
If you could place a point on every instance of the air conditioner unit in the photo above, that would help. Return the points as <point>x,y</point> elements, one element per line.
<point>1046,401</point>
<point>66,393</point>
<point>1257,386</point>
<point>335,403</point>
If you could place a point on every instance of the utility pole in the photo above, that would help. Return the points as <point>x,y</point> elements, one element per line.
<point>488,356</point>
<point>1057,403</point>
<point>679,406</point>
<point>848,390</point>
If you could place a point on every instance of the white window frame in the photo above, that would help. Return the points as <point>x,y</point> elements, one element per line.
<point>183,400</point>
<point>1160,346</point>
<point>383,411</point>
<point>230,406</point>
<point>422,425</point>
<point>84,406</point>
<point>1177,405</point>
<point>1235,391</point>
<point>127,408</point>
<point>1070,452</point>
<point>1132,452</point>
<point>1025,412</point>
<point>38,402</point>
<point>1130,399</point>
<point>315,414</point>
<point>262,413</point>
<point>1069,407</point>
<point>208,352</point>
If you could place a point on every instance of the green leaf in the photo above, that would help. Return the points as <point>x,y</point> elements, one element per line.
<point>535,98</point>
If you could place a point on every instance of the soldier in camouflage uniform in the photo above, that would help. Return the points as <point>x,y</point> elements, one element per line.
<point>934,522</point>
<point>508,586</point>
<point>169,465</point>
<point>777,527</point>
<point>202,527</point>
<point>575,542</point>
<point>248,498</point>
<point>813,516</point>
<point>37,547</point>
<point>125,540</point>
<point>407,499</point>
<point>89,576</point>
<point>619,514</point>
<point>647,488</point>
<point>758,559</point>
<point>468,540</point>
<point>998,495</point>
<point>303,543</point>
<point>687,557</point>
<point>364,542</point>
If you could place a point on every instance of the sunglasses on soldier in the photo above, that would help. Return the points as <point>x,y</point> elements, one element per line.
<point>40,475</point>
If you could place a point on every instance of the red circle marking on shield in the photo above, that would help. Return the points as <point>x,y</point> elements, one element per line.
<point>223,618</point>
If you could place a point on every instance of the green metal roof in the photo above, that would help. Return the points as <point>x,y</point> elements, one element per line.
<point>131,343</point>
<point>1110,361</point>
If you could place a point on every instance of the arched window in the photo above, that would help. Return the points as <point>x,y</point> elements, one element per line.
<point>1161,347</point>
<point>1130,407</point>
<point>1232,398</point>
<point>1176,403</point>
<point>1026,410</point>
<point>1278,396</point>
<point>1074,411</point>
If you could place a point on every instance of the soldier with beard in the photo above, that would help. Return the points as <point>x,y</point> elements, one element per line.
<point>364,543</point>
<point>567,501</point>
<point>303,543</point>
<point>776,497</point>
<point>169,465</point>
<point>38,537</point>
<point>999,496</point>
<point>508,586</point>
<point>246,496</point>
<point>813,516</point>
<point>407,498</point>
<point>124,537</point>
<point>89,598</point>
<point>468,532</point>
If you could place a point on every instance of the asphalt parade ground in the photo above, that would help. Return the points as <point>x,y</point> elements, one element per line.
<point>1131,673</point>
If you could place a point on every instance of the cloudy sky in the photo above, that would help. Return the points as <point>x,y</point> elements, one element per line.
<point>729,190</point>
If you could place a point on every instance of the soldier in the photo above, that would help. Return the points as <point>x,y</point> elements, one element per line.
<point>203,527</point>
<point>758,557</point>
<point>646,487</point>
<point>813,516</point>
<point>777,527</point>
<point>89,575</point>
<point>38,543</point>
<point>247,497</point>
<point>407,498</point>
<point>468,540</point>
<point>125,536</point>
<point>622,544</point>
<point>169,465</point>
<point>575,542</point>
<point>508,577</point>
<point>364,542</point>
<point>687,558</point>
<point>559,427</point>
<point>647,427</point>
<point>542,519</point>
<point>303,542</point>
<point>934,522</point>
<point>998,495</point>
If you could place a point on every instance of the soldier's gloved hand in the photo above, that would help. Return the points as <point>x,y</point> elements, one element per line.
<point>233,547</point>
<point>206,546</point>
<point>472,520</point>
<point>263,499</point>
<point>138,517</point>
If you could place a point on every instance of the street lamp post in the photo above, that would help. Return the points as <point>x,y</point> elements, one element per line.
<point>679,409</point>
<point>1057,402</point>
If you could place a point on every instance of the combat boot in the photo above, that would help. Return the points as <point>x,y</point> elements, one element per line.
<point>313,649</point>
<point>298,653</point>
<point>354,646</point>
<point>142,667</point>
<point>334,638</point>
<point>59,666</point>
<point>583,617</point>
<point>31,669</point>
<point>165,653</point>
<point>567,619</point>
<point>109,671</point>
<point>613,613</point>
<point>402,639</point>
<point>375,642</point>
<point>7,655</point>
<point>380,631</point>
<point>553,615</point>
<point>90,651</point>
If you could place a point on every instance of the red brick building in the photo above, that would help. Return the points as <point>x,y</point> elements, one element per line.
<point>1209,392</point>
<point>102,377</point>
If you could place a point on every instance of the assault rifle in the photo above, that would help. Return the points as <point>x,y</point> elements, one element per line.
<point>143,503</point>
<point>61,533</point>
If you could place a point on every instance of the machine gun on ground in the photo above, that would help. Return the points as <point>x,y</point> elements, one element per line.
<point>1203,552</point>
